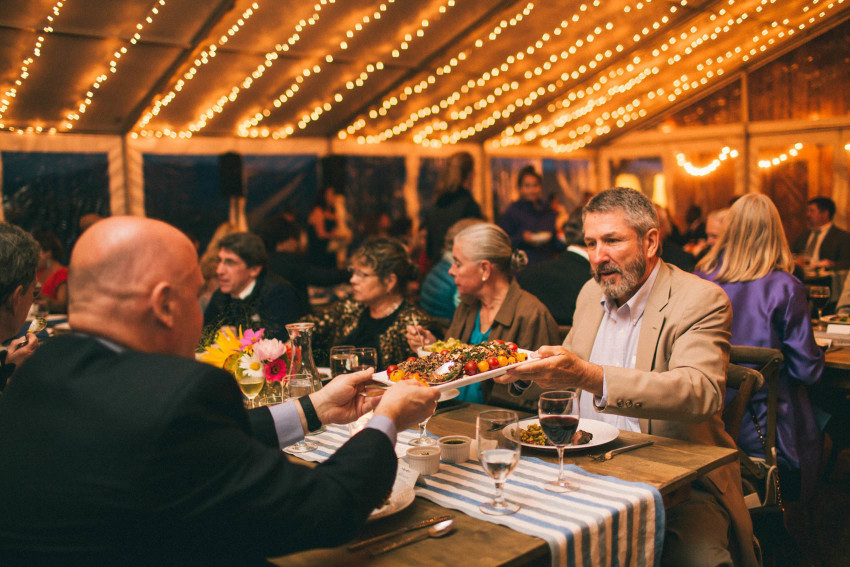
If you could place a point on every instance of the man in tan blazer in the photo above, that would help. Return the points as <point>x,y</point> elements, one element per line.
<point>670,379</point>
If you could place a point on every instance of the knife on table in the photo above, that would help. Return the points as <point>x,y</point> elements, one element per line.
<point>382,537</point>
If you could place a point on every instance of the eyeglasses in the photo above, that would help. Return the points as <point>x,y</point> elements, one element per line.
<point>360,274</point>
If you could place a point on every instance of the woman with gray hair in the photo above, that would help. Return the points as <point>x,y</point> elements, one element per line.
<point>493,306</point>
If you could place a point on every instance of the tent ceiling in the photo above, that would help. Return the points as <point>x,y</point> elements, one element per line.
<point>557,74</point>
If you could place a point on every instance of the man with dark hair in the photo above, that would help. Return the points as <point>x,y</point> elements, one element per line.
<point>18,262</point>
<point>648,349</point>
<point>248,296</point>
<point>824,245</point>
<point>530,221</point>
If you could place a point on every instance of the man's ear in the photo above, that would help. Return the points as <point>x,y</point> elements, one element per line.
<point>163,304</point>
<point>651,243</point>
<point>255,271</point>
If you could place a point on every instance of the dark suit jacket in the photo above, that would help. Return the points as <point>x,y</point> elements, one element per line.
<point>556,284</point>
<point>835,246</point>
<point>272,305</point>
<point>131,458</point>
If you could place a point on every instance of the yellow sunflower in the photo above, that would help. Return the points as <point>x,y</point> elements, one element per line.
<point>227,343</point>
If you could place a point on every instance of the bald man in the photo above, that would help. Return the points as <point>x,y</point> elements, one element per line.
<point>119,448</point>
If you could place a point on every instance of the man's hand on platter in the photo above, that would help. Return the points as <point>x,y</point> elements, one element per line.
<point>339,400</point>
<point>408,403</point>
<point>556,367</point>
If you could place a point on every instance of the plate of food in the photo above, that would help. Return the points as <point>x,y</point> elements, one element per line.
<point>457,367</point>
<point>590,433</point>
<point>837,319</point>
<point>401,497</point>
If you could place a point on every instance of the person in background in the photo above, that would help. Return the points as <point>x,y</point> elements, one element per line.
<point>52,276</point>
<point>751,261</point>
<point>288,259</point>
<point>130,452</point>
<point>648,349</point>
<point>89,219</point>
<point>19,258</point>
<point>558,282</point>
<point>249,296</point>
<point>209,261</point>
<point>530,221</point>
<point>824,245</point>
<point>493,306</point>
<point>438,294</point>
<point>696,229</point>
<point>377,312</point>
<point>328,232</point>
<point>713,224</point>
<point>452,202</point>
<point>671,251</point>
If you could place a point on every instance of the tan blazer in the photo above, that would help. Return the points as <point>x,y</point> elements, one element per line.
<point>677,386</point>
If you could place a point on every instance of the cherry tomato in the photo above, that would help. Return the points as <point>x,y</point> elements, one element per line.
<point>483,366</point>
<point>444,351</point>
<point>512,346</point>
<point>503,360</point>
<point>511,360</point>
<point>397,375</point>
<point>521,356</point>
<point>470,368</point>
<point>499,341</point>
<point>391,368</point>
<point>493,362</point>
<point>409,358</point>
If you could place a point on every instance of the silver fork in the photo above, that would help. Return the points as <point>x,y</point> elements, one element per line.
<point>610,454</point>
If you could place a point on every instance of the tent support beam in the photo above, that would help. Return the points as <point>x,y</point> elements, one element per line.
<point>224,6</point>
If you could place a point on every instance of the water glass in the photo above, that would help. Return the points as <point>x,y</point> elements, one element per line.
<point>499,455</point>
<point>366,358</point>
<point>301,385</point>
<point>343,360</point>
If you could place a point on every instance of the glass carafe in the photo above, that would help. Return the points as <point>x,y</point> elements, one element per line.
<point>301,357</point>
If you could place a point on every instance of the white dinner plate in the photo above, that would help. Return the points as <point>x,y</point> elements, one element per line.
<point>602,433</point>
<point>480,377</point>
<point>446,395</point>
<point>401,497</point>
<point>835,319</point>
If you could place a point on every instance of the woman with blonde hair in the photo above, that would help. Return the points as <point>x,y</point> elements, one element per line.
<point>492,306</point>
<point>752,262</point>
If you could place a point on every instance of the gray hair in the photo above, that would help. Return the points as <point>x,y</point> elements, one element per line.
<point>18,257</point>
<point>639,210</point>
<point>486,241</point>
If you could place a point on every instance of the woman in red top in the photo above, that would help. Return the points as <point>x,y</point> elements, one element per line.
<point>51,275</point>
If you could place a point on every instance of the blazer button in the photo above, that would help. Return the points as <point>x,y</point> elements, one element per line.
<point>628,403</point>
<point>638,404</point>
<point>619,403</point>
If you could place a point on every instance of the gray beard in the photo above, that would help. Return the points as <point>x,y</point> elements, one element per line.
<point>630,277</point>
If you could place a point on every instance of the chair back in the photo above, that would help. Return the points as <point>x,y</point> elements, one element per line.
<point>769,362</point>
<point>746,381</point>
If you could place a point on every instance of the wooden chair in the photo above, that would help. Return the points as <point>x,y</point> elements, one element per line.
<point>746,381</point>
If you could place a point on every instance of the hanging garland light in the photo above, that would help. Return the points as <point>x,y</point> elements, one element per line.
<point>725,154</point>
<point>768,163</point>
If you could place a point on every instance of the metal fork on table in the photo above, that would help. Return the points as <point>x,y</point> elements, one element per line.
<point>607,456</point>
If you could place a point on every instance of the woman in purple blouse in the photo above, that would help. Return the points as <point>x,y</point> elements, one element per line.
<point>752,262</point>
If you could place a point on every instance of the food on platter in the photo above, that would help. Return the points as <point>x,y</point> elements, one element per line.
<point>533,435</point>
<point>456,363</point>
<point>447,344</point>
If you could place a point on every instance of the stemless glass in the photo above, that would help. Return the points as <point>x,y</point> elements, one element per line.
<point>819,294</point>
<point>301,385</point>
<point>343,359</point>
<point>559,413</point>
<point>499,455</point>
<point>366,358</point>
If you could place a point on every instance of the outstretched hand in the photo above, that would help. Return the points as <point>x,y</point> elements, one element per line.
<point>339,401</point>
<point>556,367</point>
<point>408,403</point>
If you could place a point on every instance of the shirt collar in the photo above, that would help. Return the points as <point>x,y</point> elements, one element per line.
<point>578,250</point>
<point>823,229</point>
<point>248,289</point>
<point>637,303</point>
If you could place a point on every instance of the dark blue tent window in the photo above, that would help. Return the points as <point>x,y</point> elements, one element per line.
<point>280,184</point>
<point>51,191</point>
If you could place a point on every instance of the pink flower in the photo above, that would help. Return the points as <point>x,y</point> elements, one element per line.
<point>250,337</point>
<point>269,349</point>
<point>275,370</point>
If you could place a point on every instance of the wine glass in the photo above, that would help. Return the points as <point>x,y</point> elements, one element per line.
<point>250,386</point>
<point>301,385</point>
<point>343,360</point>
<point>365,358</point>
<point>423,438</point>
<point>499,455</point>
<point>819,294</point>
<point>559,413</point>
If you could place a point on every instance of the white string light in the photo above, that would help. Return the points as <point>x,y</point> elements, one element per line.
<point>81,107</point>
<point>792,152</point>
<point>725,154</point>
<point>24,73</point>
<point>202,59</point>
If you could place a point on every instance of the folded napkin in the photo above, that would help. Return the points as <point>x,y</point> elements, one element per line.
<point>608,521</point>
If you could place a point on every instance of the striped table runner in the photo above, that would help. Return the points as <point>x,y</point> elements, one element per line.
<point>608,521</point>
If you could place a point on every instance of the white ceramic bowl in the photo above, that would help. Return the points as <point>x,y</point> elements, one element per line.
<point>424,460</point>
<point>455,448</point>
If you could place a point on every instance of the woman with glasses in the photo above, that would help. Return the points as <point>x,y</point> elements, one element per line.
<point>377,313</point>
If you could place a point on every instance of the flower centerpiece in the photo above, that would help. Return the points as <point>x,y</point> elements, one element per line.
<point>250,358</point>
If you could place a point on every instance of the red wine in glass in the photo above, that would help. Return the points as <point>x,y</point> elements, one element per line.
<point>559,429</point>
<point>558,414</point>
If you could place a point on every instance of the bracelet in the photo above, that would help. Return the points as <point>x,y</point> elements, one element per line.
<point>313,421</point>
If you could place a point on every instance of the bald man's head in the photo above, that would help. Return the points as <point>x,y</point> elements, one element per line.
<point>136,280</point>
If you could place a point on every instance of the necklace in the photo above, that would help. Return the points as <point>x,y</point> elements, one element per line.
<point>385,313</point>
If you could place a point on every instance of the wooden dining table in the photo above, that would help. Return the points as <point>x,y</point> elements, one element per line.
<point>670,465</point>
<point>836,372</point>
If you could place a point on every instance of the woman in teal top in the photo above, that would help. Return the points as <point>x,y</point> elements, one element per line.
<point>493,306</point>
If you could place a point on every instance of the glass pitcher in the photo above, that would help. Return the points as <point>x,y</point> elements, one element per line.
<point>301,357</point>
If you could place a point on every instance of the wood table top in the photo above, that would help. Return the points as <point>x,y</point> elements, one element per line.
<point>669,465</point>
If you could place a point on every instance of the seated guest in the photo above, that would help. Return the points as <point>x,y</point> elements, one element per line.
<point>530,221</point>
<point>751,261</point>
<point>248,296</point>
<point>438,294</point>
<point>713,224</point>
<point>377,312</point>
<point>649,349</point>
<point>287,244</point>
<point>493,306</point>
<point>209,261</point>
<point>19,257</point>
<point>557,282</point>
<point>129,452</point>
<point>51,275</point>
<point>671,251</point>
<point>824,245</point>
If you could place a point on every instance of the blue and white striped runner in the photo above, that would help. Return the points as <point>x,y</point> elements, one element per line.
<point>608,521</point>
